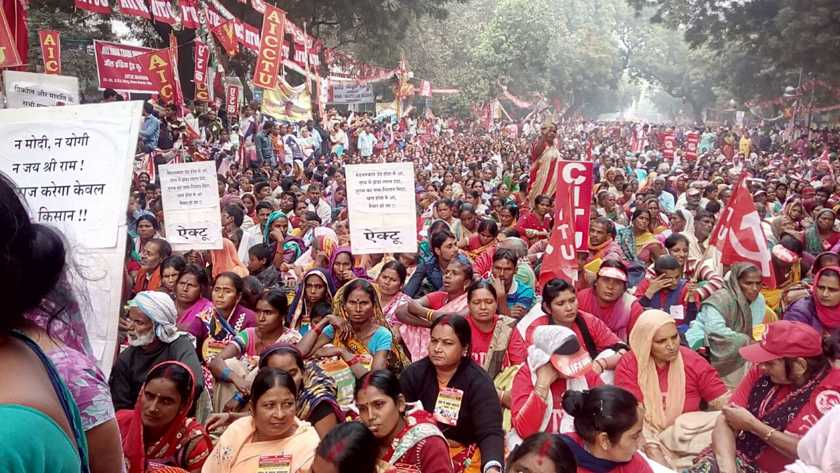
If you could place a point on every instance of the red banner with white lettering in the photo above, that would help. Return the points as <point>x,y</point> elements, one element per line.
<point>232,100</point>
<point>162,11</point>
<point>121,67</point>
<point>692,140</point>
<point>574,181</point>
<point>738,234</point>
<point>560,258</point>
<point>225,32</point>
<point>134,8</point>
<point>51,51</point>
<point>202,57</point>
<point>96,6</point>
<point>271,44</point>
<point>668,143</point>
<point>9,56</point>
<point>161,65</point>
<point>189,14</point>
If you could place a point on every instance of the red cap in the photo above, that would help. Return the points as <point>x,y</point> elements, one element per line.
<point>784,339</point>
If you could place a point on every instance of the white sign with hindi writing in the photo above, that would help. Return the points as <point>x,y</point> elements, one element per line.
<point>72,165</point>
<point>28,89</point>
<point>190,195</point>
<point>351,93</point>
<point>380,202</point>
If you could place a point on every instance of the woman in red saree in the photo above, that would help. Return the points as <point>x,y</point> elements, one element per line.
<point>544,158</point>
<point>157,434</point>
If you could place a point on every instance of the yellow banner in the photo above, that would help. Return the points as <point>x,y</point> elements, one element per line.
<point>287,103</point>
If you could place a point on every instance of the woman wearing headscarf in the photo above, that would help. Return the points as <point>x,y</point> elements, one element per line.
<point>156,435</point>
<point>793,220</point>
<point>315,287</point>
<point>731,318</point>
<point>276,234</point>
<point>637,242</point>
<point>821,309</point>
<point>226,260</point>
<point>341,270</point>
<point>153,339</point>
<point>821,236</point>
<point>670,380</point>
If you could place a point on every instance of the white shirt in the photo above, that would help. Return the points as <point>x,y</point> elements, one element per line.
<point>324,211</point>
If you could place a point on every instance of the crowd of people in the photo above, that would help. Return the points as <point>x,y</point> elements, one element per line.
<point>284,351</point>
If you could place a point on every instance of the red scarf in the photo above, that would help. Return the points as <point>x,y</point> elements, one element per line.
<point>829,316</point>
<point>175,438</point>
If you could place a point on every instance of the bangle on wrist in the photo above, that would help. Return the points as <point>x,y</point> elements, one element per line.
<point>430,315</point>
<point>225,376</point>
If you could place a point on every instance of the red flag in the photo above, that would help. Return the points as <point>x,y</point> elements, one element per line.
<point>51,51</point>
<point>738,234</point>
<point>202,57</point>
<point>96,6</point>
<point>691,142</point>
<point>9,56</point>
<point>134,8</point>
<point>668,143</point>
<point>232,101</point>
<point>226,34</point>
<point>271,42</point>
<point>161,66</point>
<point>162,11</point>
<point>560,258</point>
<point>189,14</point>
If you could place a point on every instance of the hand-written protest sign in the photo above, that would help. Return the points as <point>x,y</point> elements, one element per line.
<point>73,166</point>
<point>381,208</point>
<point>28,89</point>
<point>575,178</point>
<point>190,195</point>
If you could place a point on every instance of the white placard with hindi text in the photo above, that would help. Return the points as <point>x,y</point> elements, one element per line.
<point>190,195</point>
<point>30,89</point>
<point>72,165</point>
<point>381,208</point>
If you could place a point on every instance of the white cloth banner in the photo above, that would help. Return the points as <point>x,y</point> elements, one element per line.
<point>190,193</point>
<point>351,93</point>
<point>72,165</point>
<point>381,208</point>
<point>28,89</point>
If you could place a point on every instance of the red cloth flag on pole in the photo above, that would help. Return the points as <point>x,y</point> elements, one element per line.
<point>226,34</point>
<point>96,6</point>
<point>560,258</point>
<point>202,58</point>
<point>692,139</point>
<point>161,65</point>
<point>9,56</point>
<point>189,14</point>
<point>668,142</point>
<point>51,51</point>
<point>162,11</point>
<point>270,55</point>
<point>738,234</point>
<point>134,8</point>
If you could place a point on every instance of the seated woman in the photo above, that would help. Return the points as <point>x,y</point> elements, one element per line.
<point>170,271</point>
<point>191,293</point>
<point>533,225</point>
<point>791,386</point>
<point>804,288</point>
<point>560,307</point>
<point>639,245</point>
<point>235,366</point>
<point>316,398</point>
<point>608,427</point>
<point>703,280</point>
<point>271,437</point>
<point>667,290</point>
<point>490,331</point>
<point>484,239</point>
<point>555,364</point>
<point>669,380</point>
<point>407,441</point>
<point>731,318</point>
<point>316,287</point>
<point>608,299</point>
<point>821,236</point>
<point>348,448</point>
<point>357,332</point>
<point>341,270</point>
<point>390,281</point>
<point>214,327</point>
<point>158,432</point>
<point>822,309</point>
<point>542,453</point>
<point>466,405</point>
<point>420,313</point>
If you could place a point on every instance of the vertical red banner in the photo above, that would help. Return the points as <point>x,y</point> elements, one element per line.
<point>692,140</point>
<point>269,58</point>
<point>161,69</point>
<point>202,57</point>
<point>574,178</point>
<point>668,142</point>
<point>9,56</point>
<point>232,102</point>
<point>51,51</point>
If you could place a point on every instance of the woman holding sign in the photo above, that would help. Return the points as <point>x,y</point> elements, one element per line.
<point>465,403</point>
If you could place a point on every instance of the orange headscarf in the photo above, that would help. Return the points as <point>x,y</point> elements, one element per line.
<point>226,259</point>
